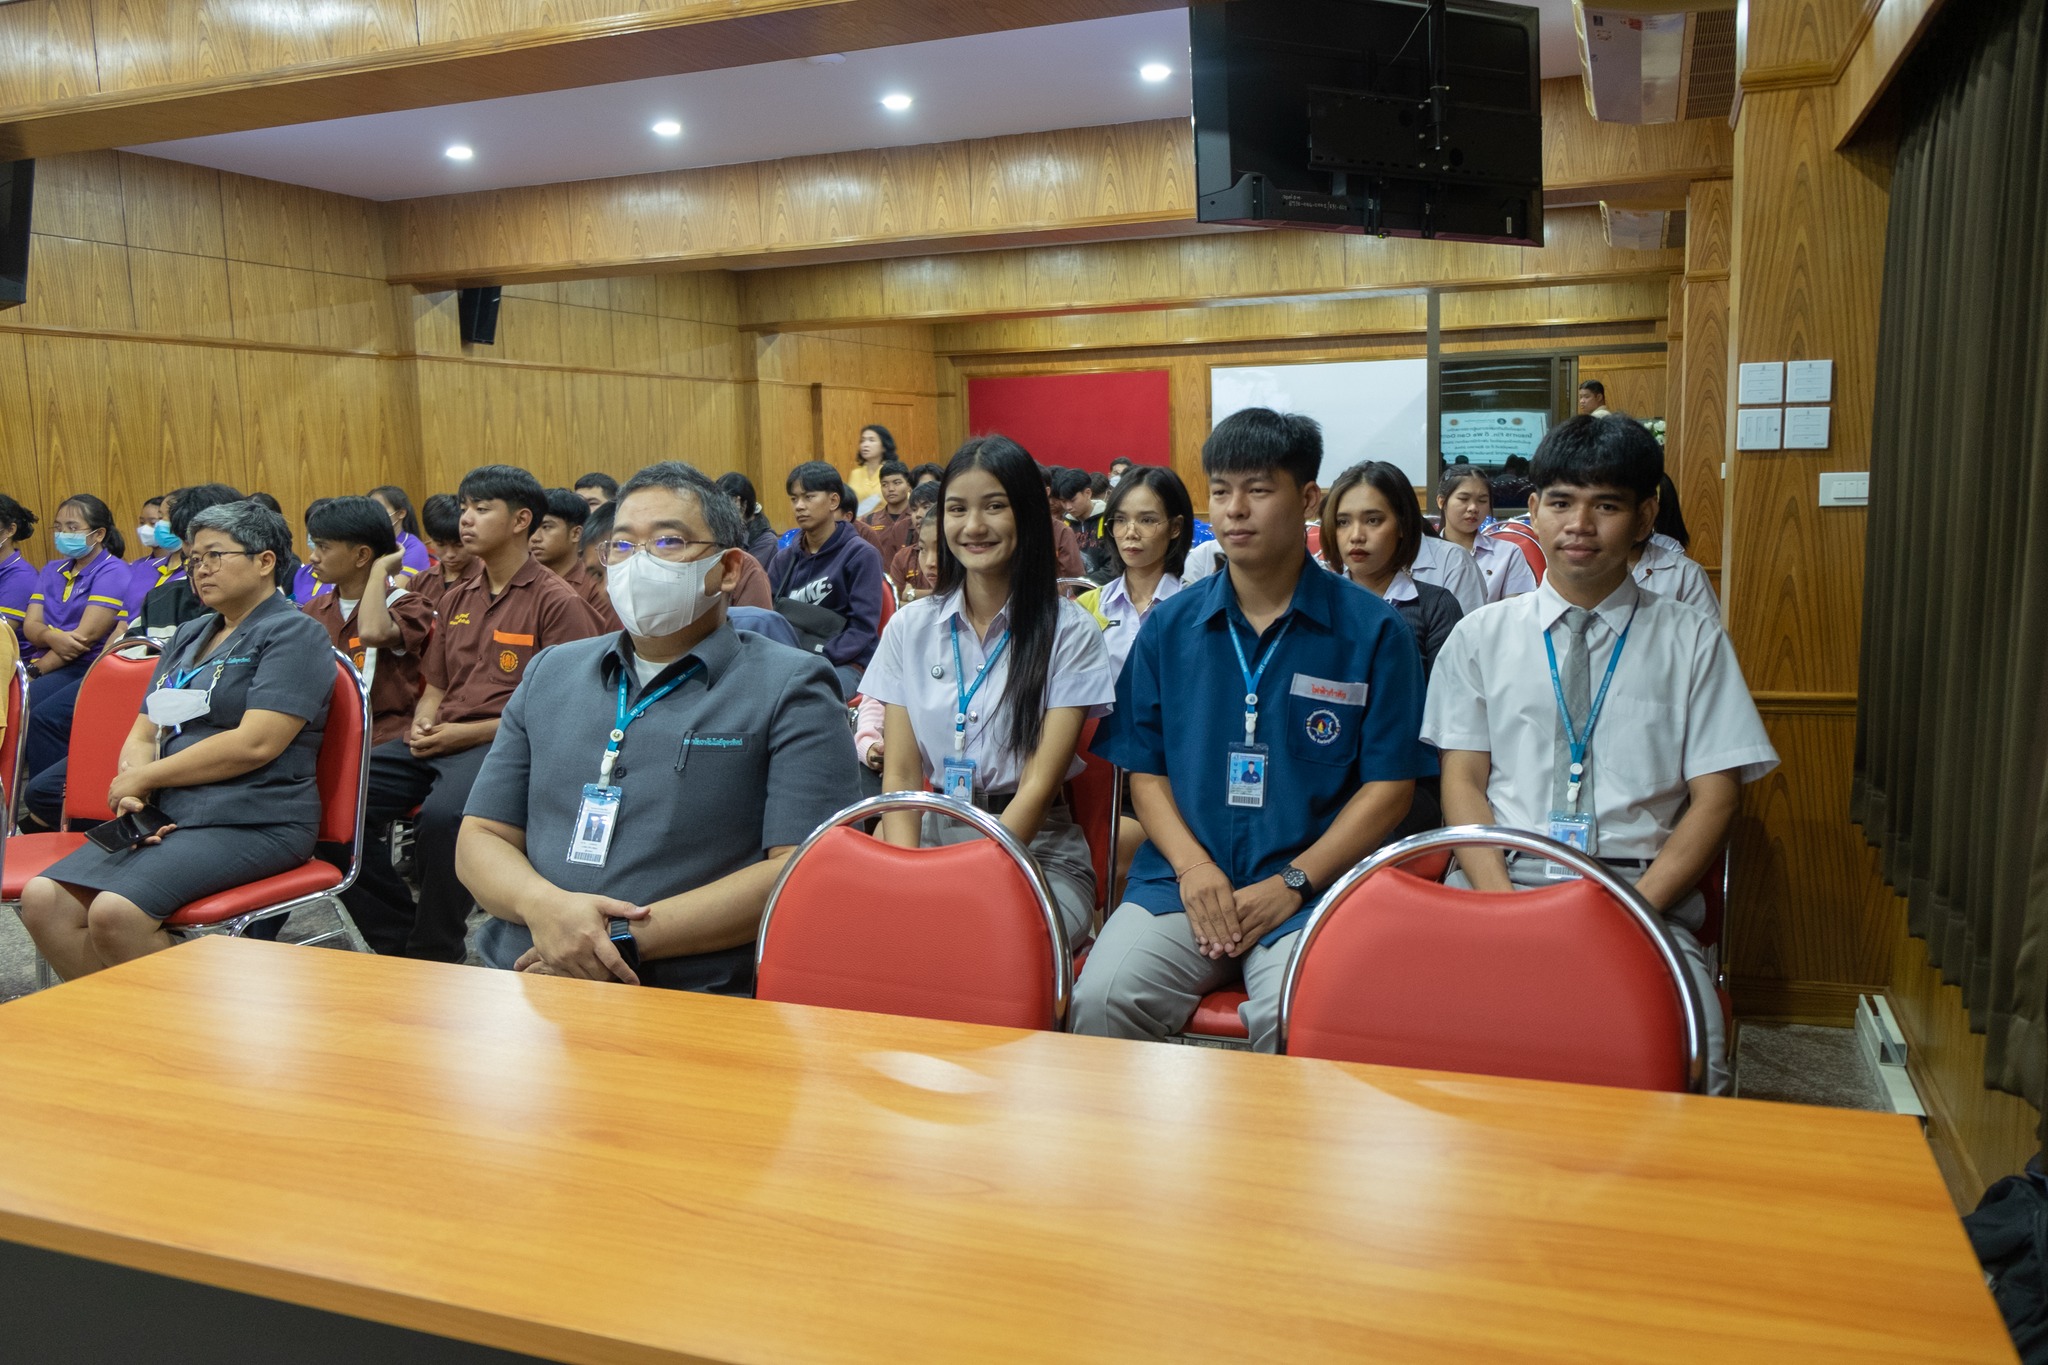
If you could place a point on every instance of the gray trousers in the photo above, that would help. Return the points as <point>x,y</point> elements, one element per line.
<point>1061,852</point>
<point>1145,977</point>
<point>1683,920</point>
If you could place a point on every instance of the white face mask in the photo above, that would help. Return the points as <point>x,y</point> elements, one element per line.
<point>168,706</point>
<point>655,597</point>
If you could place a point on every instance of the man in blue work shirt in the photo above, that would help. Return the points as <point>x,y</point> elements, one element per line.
<point>1269,719</point>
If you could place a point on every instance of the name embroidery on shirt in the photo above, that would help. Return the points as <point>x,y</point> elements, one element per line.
<point>1323,689</point>
<point>716,742</point>
<point>460,618</point>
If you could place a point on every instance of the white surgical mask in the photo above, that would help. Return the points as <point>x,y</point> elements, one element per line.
<point>656,597</point>
<point>145,534</point>
<point>168,706</point>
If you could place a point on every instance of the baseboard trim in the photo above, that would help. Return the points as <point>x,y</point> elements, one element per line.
<point>1958,1168</point>
<point>1768,1000</point>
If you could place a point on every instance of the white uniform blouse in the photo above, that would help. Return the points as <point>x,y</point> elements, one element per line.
<point>913,669</point>
<point>1451,568</point>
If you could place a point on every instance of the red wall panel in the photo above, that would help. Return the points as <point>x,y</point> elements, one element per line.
<point>1082,421</point>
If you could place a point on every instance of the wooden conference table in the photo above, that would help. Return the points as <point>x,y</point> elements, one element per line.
<point>457,1159</point>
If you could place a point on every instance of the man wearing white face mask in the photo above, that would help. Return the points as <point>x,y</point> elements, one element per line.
<point>646,787</point>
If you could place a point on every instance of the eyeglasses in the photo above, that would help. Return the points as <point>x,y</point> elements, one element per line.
<point>664,547</point>
<point>1145,521</point>
<point>210,559</point>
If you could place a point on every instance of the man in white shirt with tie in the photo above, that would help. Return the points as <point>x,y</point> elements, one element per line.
<point>1662,733</point>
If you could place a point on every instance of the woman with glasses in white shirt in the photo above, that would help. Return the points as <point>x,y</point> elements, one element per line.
<point>1151,524</point>
<point>1466,498</point>
<point>987,683</point>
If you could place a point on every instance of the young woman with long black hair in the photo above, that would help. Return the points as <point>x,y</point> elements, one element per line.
<point>1371,531</point>
<point>1151,527</point>
<point>988,681</point>
<point>877,447</point>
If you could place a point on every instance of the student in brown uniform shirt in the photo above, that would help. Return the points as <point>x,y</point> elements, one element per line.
<point>892,525</point>
<point>555,543</point>
<point>492,622</point>
<point>441,522</point>
<point>384,630</point>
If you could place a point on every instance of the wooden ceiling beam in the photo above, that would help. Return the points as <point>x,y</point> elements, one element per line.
<point>84,75</point>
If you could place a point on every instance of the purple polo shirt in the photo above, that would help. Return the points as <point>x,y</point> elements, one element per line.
<point>17,584</point>
<point>145,575</point>
<point>65,589</point>
<point>416,556</point>
<point>305,587</point>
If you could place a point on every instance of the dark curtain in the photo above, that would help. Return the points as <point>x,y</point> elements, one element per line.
<point>1952,732</point>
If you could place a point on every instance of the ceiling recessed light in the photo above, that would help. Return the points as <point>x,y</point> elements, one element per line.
<point>896,103</point>
<point>1155,71</point>
<point>459,152</point>
<point>668,127</point>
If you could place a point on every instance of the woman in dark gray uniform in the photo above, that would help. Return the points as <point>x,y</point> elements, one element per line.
<point>226,746</point>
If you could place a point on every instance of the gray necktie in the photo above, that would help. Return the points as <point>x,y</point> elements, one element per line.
<point>1575,675</point>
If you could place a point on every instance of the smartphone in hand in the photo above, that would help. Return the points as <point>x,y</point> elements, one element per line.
<point>126,831</point>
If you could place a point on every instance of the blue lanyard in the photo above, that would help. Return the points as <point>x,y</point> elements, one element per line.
<point>1252,675</point>
<point>960,687</point>
<point>625,718</point>
<point>1578,742</point>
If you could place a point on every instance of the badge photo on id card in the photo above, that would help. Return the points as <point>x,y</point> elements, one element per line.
<point>1247,784</point>
<point>956,778</point>
<point>1573,831</point>
<point>596,818</point>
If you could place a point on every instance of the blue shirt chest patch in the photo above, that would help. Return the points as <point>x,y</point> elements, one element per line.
<point>1323,726</point>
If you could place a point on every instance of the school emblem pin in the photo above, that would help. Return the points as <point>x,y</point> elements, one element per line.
<point>1323,727</point>
<point>508,661</point>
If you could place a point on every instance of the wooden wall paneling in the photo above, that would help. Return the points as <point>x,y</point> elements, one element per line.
<point>1709,224</point>
<point>75,284</point>
<point>473,414</point>
<point>528,330</point>
<point>24,473</point>
<point>80,195</point>
<point>46,52</point>
<point>1579,150</point>
<point>172,206</point>
<point>586,336</point>
<point>1809,267</point>
<point>1636,382</point>
<point>322,426</point>
<point>180,295</point>
<point>1798,42</point>
<point>1978,1134</point>
<point>1177,271</point>
<point>142,44</point>
<point>277,305</point>
<point>704,427</point>
<point>1894,31</point>
<point>1703,419</point>
<point>305,229</point>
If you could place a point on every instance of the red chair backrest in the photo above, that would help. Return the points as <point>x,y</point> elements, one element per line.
<point>888,604</point>
<point>1095,808</point>
<point>1557,983</point>
<point>953,932</point>
<point>343,753</point>
<point>1315,540</point>
<point>109,699</point>
<point>1523,539</point>
<point>10,745</point>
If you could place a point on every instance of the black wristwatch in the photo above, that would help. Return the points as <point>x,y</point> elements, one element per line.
<point>621,933</point>
<point>1297,881</point>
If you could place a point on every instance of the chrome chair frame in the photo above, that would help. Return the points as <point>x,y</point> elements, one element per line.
<point>934,804</point>
<point>1521,841</point>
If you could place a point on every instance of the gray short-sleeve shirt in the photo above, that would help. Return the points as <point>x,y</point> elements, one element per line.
<point>277,660</point>
<point>749,753</point>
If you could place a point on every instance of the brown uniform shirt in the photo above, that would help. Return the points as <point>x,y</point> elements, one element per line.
<point>484,643</point>
<point>590,587</point>
<point>396,688</point>
<point>432,587</point>
<point>1066,548</point>
<point>889,531</point>
<point>753,589</point>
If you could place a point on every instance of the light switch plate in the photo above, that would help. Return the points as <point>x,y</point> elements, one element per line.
<point>1845,490</point>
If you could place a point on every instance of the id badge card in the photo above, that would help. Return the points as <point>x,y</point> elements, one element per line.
<point>1247,778</point>
<point>956,778</point>
<point>1573,831</point>
<point>595,820</point>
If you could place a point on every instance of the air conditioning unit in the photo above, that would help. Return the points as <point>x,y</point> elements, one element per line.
<point>1657,61</point>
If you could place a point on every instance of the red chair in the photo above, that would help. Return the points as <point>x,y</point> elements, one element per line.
<point>965,931</point>
<point>1097,799</point>
<point>109,699</point>
<point>1579,981</point>
<point>10,746</point>
<point>342,776</point>
<point>1216,1023</point>
<point>1519,535</point>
